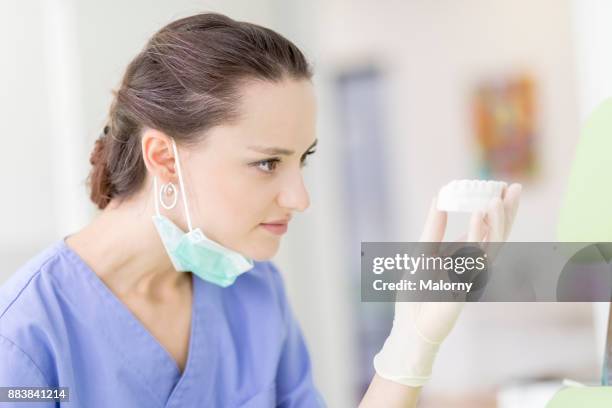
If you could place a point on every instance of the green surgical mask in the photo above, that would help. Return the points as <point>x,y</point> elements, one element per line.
<point>193,251</point>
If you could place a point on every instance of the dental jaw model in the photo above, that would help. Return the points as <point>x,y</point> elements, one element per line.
<point>469,195</point>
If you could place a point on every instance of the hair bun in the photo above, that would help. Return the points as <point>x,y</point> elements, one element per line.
<point>98,153</point>
<point>99,181</point>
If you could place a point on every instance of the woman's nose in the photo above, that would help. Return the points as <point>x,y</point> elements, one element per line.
<point>293,194</point>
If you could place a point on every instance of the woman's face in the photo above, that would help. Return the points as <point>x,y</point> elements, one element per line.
<point>244,180</point>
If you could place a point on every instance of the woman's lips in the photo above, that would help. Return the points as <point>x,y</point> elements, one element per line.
<point>275,228</point>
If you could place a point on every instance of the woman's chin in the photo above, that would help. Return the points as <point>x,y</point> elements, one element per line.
<point>263,250</point>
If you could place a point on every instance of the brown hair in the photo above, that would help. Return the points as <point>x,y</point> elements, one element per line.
<point>185,81</point>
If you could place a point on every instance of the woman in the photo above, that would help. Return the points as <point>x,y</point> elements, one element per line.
<point>198,170</point>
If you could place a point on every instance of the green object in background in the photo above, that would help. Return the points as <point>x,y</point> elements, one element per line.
<point>586,213</point>
<point>586,216</point>
<point>588,397</point>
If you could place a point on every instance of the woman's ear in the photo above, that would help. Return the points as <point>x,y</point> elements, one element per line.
<point>158,155</point>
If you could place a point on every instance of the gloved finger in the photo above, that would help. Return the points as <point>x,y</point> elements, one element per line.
<point>511,197</point>
<point>495,219</point>
<point>433,231</point>
<point>477,229</point>
<point>435,225</point>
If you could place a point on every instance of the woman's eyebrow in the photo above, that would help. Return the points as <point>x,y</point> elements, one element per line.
<point>278,150</point>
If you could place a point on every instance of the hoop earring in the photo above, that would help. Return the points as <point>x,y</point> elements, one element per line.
<point>168,189</point>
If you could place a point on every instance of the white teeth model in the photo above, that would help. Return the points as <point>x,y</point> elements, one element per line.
<point>469,195</point>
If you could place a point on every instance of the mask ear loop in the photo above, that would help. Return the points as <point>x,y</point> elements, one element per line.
<point>178,168</point>
<point>155,198</point>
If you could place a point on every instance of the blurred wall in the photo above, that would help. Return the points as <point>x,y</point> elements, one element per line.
<point>27,208</point>
<point>592,31</point>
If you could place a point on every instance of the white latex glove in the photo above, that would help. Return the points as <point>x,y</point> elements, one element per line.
<point>419,328</point>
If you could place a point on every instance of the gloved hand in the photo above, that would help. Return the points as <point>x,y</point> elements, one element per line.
<point>419,328</point>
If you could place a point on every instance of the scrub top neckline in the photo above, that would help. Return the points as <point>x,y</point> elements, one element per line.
<point>142,352</point>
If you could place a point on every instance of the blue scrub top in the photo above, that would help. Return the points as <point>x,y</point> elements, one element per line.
<point>61,326</point>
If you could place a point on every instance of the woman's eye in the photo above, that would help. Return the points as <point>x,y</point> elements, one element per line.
<point>267,166</point>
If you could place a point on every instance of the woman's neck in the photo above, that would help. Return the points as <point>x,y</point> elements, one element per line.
<point>122,246</point>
